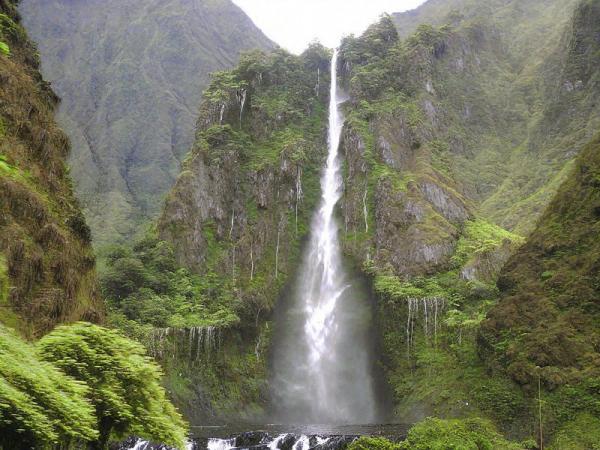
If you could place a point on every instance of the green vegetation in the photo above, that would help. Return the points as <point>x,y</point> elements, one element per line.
<point>436,434</point>
<point>124,383</point>
<point>470,434</point>
<point>145,285</point>
<point>581,433</point>
<point>131,131</point>
<point>481,238</point>
<point>44,241</point>
<point>546,323</point>
<point>4,48</point>
<point>81,384</point>
<point>40,406</point>
<point>372,443</point>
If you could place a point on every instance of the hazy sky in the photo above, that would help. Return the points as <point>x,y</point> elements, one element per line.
<point>293,24</point>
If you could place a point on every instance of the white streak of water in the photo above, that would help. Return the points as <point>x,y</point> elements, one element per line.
<point>221,444</point>
<point>324,373</point>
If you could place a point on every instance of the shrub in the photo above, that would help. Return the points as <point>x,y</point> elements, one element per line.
<point>369,443</point>
<point>468,434</point>
<point>40,406</point>
<point>124,383</point>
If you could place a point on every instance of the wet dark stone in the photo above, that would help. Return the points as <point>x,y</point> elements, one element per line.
<point>253,441</point>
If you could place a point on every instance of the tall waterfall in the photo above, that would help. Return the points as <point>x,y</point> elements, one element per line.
<point>322,360</point>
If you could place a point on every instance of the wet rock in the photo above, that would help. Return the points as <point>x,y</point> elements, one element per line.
<point>446,204</point>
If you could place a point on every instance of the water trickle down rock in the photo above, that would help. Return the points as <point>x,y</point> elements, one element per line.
<point>200,341</point>
<point>427,310</point>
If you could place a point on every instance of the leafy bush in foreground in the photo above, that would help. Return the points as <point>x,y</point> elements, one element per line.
<point>468,434</point>
<point>437,434</point>
<point>124,383</point>
<point>39,405</point>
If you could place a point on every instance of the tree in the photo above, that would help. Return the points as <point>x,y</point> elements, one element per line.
<point>40,406</point>
<point>124,383</point>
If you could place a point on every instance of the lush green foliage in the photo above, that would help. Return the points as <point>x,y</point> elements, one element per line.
<point>372,443</point>
<point>147,286</point>
<point>581,433</point>
<point>40,407</point>
<point>124,384</point>
<point>480,238</point>
<point>4,48</point>
<point>468,434</point>
<point>436,434</point>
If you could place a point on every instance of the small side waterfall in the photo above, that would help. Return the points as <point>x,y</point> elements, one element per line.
<point>198,342</point>
<point>322,362</point>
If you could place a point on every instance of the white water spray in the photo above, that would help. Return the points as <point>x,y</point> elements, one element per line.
<point>323,367</point>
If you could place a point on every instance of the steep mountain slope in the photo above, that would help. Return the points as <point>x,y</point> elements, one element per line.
<point>131,74</point>
<point>547,322</point>
<point>515,165</point>
<point>47,266</point>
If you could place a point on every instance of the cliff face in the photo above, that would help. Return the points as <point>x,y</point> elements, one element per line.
<point>242,204</point>
<point>454,141</point>
<point>47,266</point>
<point>131,74</point>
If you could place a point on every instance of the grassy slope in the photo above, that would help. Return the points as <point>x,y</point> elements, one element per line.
<point>47,266</point>
<point>131,77</point>
<point>548,320</point>
<point>515,167</point>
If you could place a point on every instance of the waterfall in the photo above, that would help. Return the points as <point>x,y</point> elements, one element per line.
<point>222,114</point>
<point>241,95</point>
<point>322,365</point>
<point>169,342</point>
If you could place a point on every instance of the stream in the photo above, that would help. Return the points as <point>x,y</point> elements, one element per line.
<point>276,437</point>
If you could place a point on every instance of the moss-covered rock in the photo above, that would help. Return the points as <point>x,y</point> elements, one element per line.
<point>545,326</point>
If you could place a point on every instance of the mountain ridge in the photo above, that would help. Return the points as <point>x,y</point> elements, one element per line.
<point>131,75</point>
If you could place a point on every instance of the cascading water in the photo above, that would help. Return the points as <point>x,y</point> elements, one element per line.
<point>322,358</point>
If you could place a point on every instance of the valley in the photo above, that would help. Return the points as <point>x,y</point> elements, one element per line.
<point>391,244</point>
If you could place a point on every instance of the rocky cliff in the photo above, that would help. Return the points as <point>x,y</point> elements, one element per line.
<point>131,75</point>
<point>454,141</point>
<point>47,266</point>
<point>242,204</point>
